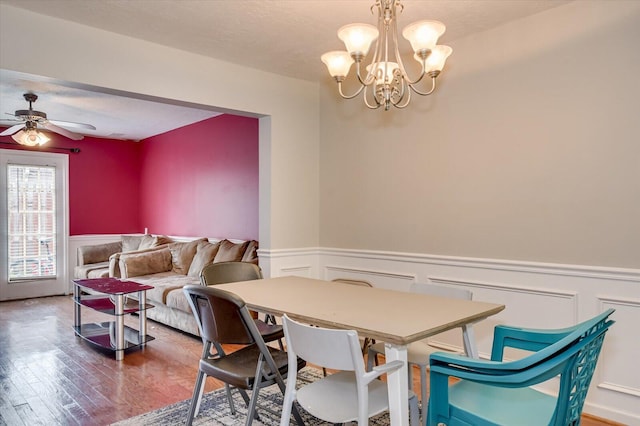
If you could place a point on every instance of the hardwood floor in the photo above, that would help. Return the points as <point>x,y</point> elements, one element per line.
<point>49,376</point>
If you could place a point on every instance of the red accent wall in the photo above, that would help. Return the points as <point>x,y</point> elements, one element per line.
<point>202,180</point>
<point>104,183</point>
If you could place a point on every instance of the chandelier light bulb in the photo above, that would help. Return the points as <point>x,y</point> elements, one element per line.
<point>436,60</point>
<point>357,38</point>
<point>338,63</point>
<point>423,35</point>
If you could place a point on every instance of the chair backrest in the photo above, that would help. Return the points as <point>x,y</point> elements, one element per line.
<point>352,281</point>
<point>336,349</point>
<point>229,272</point>
<point>575,380</point>
<point>222,316</point>
<point>573,356</point>
<point>441,291</point>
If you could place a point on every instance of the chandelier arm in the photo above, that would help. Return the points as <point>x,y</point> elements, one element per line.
<point>349,96</point>
<point>433,87</point>
<point>377,51</point>
<point>368,80</point>
<point>366,100</point>
<point>403,83</point>
<point>406,103</point>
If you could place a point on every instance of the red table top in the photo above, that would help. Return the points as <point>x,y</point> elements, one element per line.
<point>112,285</point>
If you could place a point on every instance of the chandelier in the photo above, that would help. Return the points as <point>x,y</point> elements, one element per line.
<point>386,76</point>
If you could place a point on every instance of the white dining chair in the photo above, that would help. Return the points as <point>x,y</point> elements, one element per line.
<point>418,352</point>
<point>351,394</point>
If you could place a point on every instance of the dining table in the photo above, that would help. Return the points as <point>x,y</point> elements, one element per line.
<point>394,317</point>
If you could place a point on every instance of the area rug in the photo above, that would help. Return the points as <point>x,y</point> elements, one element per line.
<point>214,409</point>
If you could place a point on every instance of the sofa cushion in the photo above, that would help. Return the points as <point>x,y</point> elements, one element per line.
<point>97,253</point>
<point>92,270</point>
<point>164,284</point>
<point>131,242</point>
<point>176,299</point>
<point>150,241</point>
<point>230,252</point>
<point>145,263</point>
<point>251,252</point>
<point>205,253</point>
<point>182,254</point>
<point>99,273</point>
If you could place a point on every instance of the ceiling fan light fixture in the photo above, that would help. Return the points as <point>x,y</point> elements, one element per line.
<point>30,137</point>
<point>28,134</point>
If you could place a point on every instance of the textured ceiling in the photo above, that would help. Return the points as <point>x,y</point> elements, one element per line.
<point>285,37</point>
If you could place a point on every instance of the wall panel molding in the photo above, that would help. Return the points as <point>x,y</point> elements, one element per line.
<point>595,272</point>
<point>536,294</point>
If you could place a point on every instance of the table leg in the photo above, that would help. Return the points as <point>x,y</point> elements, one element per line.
<point>142,316</point>
<point>119,314</point>
<point>76,314</point>
<point>469,338</point>
<point>398,385</point>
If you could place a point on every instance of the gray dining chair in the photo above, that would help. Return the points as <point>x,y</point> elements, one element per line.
<point>223,318</point>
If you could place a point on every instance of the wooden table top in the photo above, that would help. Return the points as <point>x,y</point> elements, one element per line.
<point>391,316</point>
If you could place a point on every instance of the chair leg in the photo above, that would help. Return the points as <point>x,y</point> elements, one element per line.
<point>197,397</point>
<point>251,409</point>
<point>232,406</point>
<point>414,415</point>
<point>365,345</point>
<point>423,393</point>
<point>370,356</point>
<point>259,377</point>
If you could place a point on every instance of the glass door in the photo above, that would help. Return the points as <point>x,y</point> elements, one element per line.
<point>34,222</point>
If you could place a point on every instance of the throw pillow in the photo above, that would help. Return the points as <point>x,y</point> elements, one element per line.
<point>205,254</point>
<point>251,253</point>
<point>182,255</point>
<point>152,262</point>
<point>131,242</point>
<point>147,242</point>
<point>151,241</point>
<point>230,252</point>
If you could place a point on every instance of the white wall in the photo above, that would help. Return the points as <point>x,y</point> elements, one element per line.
<point>528,150</point>
<point>519,179</point>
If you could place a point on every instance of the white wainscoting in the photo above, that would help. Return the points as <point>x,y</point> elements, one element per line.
<point>535,295</point>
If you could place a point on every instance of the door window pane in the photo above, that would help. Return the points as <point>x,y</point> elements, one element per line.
<point>31,213</point>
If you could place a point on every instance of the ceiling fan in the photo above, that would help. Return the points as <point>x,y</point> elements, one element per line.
<point>26,131</point>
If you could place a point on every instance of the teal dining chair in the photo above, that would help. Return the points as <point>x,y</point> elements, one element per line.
<point>497,392</point>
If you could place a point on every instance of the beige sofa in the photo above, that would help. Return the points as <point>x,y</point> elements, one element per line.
<point>169,266</point>
<point>101,260</point>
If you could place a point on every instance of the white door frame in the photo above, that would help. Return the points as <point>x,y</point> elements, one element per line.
<point>36,288</point>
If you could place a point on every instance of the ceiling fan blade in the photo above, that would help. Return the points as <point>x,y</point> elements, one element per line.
<point>71,124</point>
<point>11,130</point>
<point>64,132</point>
<point>9,123</point>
